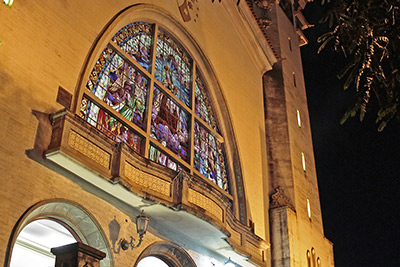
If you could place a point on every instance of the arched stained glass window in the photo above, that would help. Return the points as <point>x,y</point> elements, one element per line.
<point>170,124</point>
<point>147,91</point>
<point>202,104</point>
<point>173,67</point>
<point>136,39</point>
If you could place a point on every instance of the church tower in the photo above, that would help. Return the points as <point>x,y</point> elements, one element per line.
<point>297,236</point>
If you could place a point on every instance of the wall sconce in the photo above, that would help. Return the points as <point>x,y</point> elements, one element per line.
<point>8,2</point>
<point>142,222</point>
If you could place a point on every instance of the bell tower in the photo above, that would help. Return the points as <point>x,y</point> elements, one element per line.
<point>297,236</point>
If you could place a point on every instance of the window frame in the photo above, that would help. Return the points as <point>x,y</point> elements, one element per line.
<point>145,133</point>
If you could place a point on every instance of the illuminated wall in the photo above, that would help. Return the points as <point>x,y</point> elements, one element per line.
<point>115,107</point>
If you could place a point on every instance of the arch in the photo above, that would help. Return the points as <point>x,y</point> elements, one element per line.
<point>152,14</point>
<point>73,217</point>
<point>313,257</point>
<point>151,261</point>
<point>172,254</point>
<point>34,243</point>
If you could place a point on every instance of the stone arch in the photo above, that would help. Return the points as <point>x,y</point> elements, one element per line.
<point>153,14</point>
<point>72,216</point>
<point>169,252</point>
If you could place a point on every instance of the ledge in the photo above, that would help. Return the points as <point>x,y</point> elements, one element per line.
<point>186,205</point>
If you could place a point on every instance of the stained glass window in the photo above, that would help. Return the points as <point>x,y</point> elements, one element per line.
<point>202,104</point>
<point>119,102</point>
<point>119,85</point>
<point>109,125</point>
<point>136,40</point>
<point>209,157</point>
<point>169,124</point>
<point>173,67</point>
<point>163,159</point>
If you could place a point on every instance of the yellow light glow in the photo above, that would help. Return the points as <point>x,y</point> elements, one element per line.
<point>294,79</point>
<point>303,161</point>
<point>8,2</point>
<point>308,209</point>
<point>298,118</point>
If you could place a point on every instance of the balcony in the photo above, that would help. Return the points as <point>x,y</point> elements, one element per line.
<point>188,206</point>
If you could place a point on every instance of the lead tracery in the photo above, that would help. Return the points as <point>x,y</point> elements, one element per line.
<point>117,103</point>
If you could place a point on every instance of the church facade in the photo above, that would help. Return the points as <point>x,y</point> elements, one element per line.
<point>188,115</point>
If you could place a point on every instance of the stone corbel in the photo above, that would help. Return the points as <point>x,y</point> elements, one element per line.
<point>279,199</point>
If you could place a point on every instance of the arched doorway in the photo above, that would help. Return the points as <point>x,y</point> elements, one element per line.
<point>165,254</point>
<point>64,217</point>
<point>33,244</point>
<point>152,261</point>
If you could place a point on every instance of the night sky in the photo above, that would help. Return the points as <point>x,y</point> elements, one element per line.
<point>358,168</point>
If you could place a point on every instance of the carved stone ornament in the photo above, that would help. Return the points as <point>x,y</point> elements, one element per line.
<point>264,23</point>
<point>265,4</point>
<point>189,10</point>
<point>279,199</point>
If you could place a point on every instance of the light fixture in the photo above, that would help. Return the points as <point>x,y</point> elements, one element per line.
<point>8,2</point>
<point>229,263</point>
<point>142,222</point>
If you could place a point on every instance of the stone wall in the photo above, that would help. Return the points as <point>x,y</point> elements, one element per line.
<point>46,44</point>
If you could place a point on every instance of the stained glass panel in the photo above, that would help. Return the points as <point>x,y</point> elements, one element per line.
<point>209,157</point>
<point>136,40</point>
<point>120,85</point>
<point>173,67</point>
<point>157,156</point>
<point>170,124</point>
<point>202,103</point>
<point>109,125</point>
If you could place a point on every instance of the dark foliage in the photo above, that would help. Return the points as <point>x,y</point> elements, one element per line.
<point>367,32</point>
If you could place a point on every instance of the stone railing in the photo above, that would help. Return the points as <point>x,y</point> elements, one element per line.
<point>74,143</point>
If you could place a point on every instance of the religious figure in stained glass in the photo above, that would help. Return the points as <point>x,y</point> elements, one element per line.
<point>209,158</point>
<point>120,85</point>
<point>118,90</point>
<point>109,125</point>
<point>173,67</point>
<point>169,124</point>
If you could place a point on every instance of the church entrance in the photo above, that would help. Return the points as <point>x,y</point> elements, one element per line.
<point>54,223</point>
<point>33,244</point>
